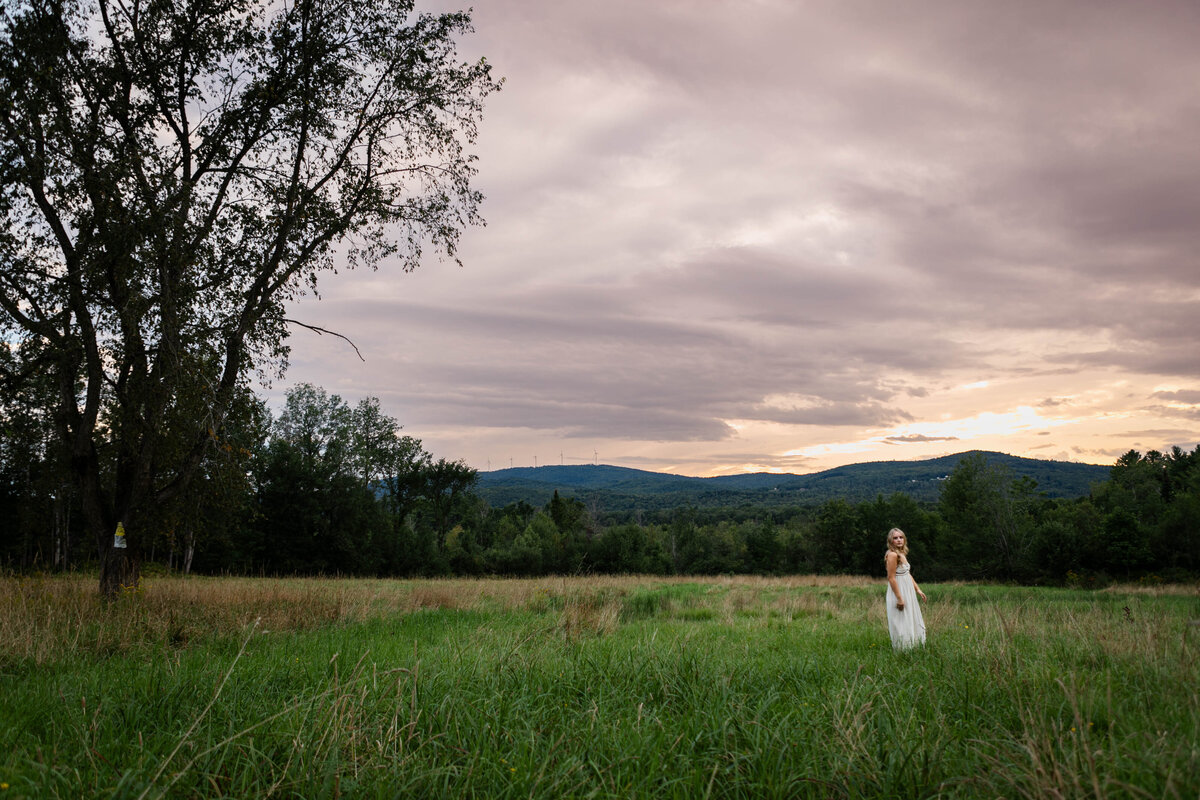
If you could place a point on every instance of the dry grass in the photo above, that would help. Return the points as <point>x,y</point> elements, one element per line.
<point>587,614</point>
<point>1155,589</point>
<point>43,618</point>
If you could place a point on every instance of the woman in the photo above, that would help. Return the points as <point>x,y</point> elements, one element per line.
<point>905,623</point>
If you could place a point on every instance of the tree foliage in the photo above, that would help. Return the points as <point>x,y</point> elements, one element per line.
<point>172,174</point>
<point>986,511</point>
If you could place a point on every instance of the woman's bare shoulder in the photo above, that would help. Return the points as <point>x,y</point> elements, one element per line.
<point>892,557</point>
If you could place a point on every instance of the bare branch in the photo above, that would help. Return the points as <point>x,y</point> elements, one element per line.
<point>320,331</point>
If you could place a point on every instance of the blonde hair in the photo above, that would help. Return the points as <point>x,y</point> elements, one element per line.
<point>902,551</point>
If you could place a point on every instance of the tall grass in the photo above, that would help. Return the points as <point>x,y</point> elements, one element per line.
<point>615,687</point>
<point>47,617</point>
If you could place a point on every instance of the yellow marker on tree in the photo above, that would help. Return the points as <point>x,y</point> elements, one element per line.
<point>119,537</point>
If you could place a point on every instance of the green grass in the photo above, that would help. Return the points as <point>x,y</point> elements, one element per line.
<point>597,688</point>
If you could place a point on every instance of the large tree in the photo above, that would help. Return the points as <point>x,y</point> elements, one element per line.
<point>172,174</point>
<point>987,515</point>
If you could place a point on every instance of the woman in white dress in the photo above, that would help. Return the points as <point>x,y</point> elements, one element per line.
<point>905,623</point>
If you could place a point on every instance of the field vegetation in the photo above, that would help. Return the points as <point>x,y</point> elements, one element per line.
<point>593,687</point>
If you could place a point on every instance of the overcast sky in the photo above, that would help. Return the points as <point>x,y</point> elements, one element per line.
<point>784,236</point>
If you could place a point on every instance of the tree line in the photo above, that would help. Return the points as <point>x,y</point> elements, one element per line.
<point>330,488</point>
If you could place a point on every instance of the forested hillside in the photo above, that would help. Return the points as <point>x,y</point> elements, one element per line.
<point>620,489</point>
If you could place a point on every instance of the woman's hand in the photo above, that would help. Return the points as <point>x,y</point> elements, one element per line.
<point>924,599</point>
<point>900,605</point>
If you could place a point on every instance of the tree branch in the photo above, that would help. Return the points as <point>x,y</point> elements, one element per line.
<point>320,331</point>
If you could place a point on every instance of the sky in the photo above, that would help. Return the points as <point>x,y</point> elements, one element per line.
<point>784,236</point>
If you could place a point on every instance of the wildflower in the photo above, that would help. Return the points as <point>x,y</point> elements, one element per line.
<point>3,787</point>
<point>512,769</point>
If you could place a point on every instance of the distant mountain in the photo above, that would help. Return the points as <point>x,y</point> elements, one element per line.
<point>623,489</point>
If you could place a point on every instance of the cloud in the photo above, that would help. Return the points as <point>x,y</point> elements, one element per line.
<point>1163,356</point>
<point>918,438</point>
<point>1184,412</point>
<point>1191,396</point>
<point>1160,433</point>
<point>739,230</point>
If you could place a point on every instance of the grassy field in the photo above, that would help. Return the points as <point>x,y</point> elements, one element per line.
<point>593,687</point>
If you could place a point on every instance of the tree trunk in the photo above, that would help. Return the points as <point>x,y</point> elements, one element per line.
<point>62,531</point>
<point>189,550</point>
<point>120,567</point>
<point>119,572</point>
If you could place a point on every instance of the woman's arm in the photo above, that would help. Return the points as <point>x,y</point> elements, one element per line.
<point>918,588</point>
<point>893,559</point>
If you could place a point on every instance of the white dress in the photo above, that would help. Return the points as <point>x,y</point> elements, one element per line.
<point>907,626</point>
